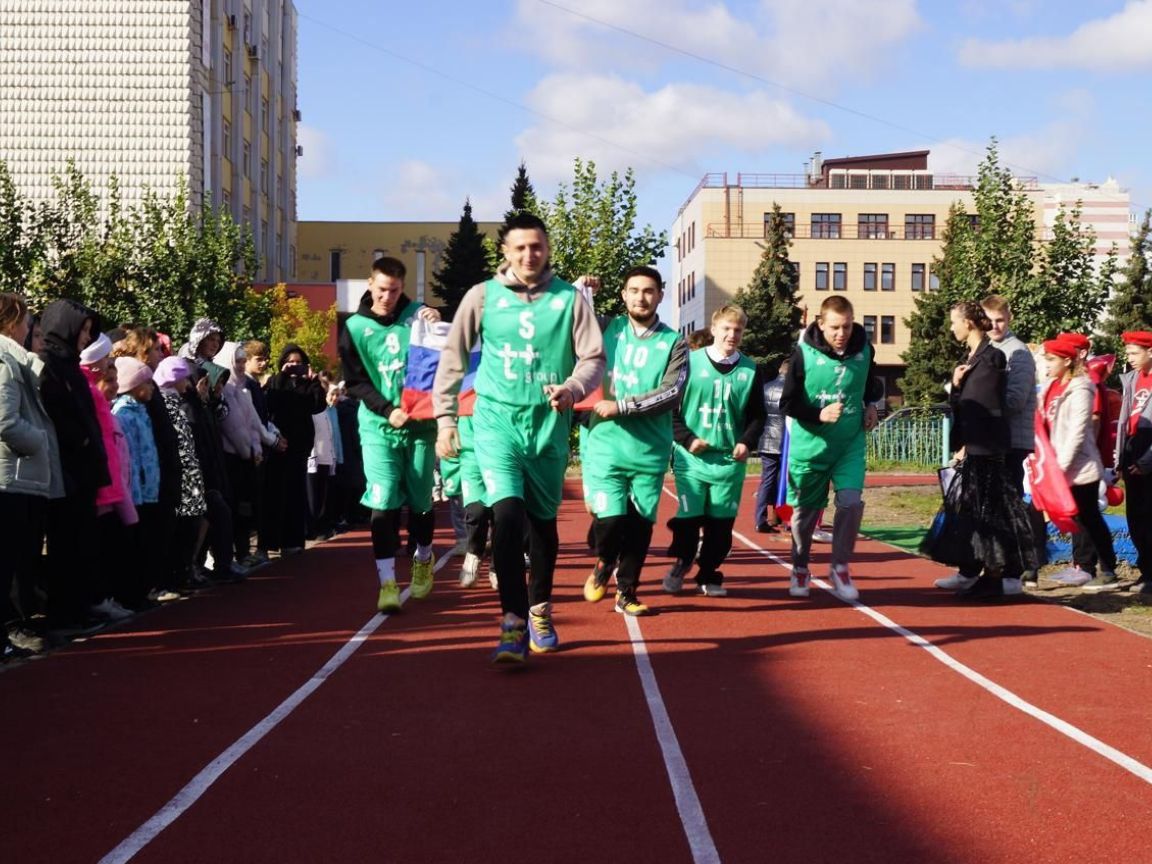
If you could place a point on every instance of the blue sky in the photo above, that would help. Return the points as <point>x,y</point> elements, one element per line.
<point>408,108</point>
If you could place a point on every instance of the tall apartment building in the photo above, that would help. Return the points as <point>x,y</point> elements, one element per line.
<point>866,226</point>
<point>156,90</point>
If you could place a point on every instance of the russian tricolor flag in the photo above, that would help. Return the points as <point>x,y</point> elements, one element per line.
<point>427,340</point>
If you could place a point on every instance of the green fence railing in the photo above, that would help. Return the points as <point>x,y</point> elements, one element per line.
<point>915,443</point>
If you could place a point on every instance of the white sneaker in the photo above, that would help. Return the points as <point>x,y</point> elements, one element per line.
<point>469,570</point>
<point>492,580</point>
<point>821,536</point>
<point>710,590</point>
<point>674,580</point>
<point>842,585</point>
<point>1013,586</point>
<point>956,582</point>
<point>799,584</point>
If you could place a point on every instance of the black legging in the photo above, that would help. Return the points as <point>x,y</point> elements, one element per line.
<point>508,521</point>
<point>1096,543</point>
<point>624,540</point>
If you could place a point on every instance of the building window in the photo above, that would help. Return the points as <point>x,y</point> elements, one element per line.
<point>227,68</point>
<point>869,277</point>
<point>872,226</point>
<point>692,236</point>
<point>264,112</point>
<point>887,277</point>
<point>264,174</point>
<point>933,282</point>
<point>887,329</point>
<point>870,328</point>
<point>246,157</point>
<point>247,217</point>
<point>226,200</point>
<point>917,277</point>
<point>377,254</point>
<point>826,226</point>
<point>679,255</point>
<point>789,223</point>
<point>822,276</point>
<point>840,276</point>
<point>292,259</point>
<point>920,226</point>
<point>334,265</point>
<point>227,139</point>
<point>795,273</point>
<point>247,91</point>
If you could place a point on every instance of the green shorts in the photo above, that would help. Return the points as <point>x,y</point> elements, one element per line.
<point>522,452</point>
<point>398,467</point>
<point>470,482</point>
<point>706,487</point>
<point>608,489</point>
<point>808,480</point>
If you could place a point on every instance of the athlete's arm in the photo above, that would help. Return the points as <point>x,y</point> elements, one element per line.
<point>667,395</point>
<point>356,378</point>
<point>588,345</point>
<point>453,363</point>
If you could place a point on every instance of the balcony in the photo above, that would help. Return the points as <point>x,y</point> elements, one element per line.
<point>755,231</point>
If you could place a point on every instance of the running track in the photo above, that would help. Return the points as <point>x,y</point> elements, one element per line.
<point>755,728</point>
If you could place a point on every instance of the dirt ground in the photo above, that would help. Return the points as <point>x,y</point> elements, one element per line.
<point>916,505</point>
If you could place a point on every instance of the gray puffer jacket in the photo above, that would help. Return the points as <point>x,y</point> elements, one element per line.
<point>772,438</point>
<point>29,454</point>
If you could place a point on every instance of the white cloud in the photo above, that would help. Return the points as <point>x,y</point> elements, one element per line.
<point>668,128</point>
<point>316,163</point>
<point>1120,42</point>
<point>1046,153</point>
<point>796,43</point>
<point>415,191</point>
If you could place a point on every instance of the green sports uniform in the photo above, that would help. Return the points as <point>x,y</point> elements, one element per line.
<point>710,483</point>
<point>521,444</point>
<point>829,453</point>
<point>624,458</point>
<point>398,463</point>
<point>460,474</point>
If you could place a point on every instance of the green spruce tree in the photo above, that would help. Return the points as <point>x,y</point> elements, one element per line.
<point>464,263</point>
<point>1131,305</point>
<point>770,298</point>
<point>523,200</point>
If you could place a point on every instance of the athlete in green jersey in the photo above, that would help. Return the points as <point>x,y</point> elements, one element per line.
<point>399,453</point>
<point>716,426</point>
<point>542,352</point>
<point>831,379</point>
<point>625,452</point>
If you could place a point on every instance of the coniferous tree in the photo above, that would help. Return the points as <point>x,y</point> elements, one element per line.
<point>464,263</point>
<point>770,298</point>
<point>523,200</point>
<point>1131,305</point>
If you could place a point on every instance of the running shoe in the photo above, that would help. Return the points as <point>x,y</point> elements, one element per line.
<point>469,569</point>
<point>596,585</point>
<point>711,589</point>
<point>799,584</point>
<point>493,580</point>
<point>627,604</point>
<point>389,599</point>
<point>542,636</point>
<point>674,581</point>
<point>956,582</point>
<point>513,647</point>
<point>842,585</point>
<point>821,536</point>
<point>422,575</point>
<point>1104,582</point>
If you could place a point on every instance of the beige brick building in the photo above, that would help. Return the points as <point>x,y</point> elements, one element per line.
<point>867,227</point>
<point>155,91</point>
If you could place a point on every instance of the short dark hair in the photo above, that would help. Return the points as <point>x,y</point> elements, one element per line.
<point>524,221</point>
<point>393,267</point>
<point>644,270</point>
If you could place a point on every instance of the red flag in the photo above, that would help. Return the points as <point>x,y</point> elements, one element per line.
<point>1050,491</point>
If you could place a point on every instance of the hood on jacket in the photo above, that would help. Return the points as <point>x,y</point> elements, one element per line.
<point>61,324</point>
<point>365,309</point>
<point>227,355</point>
<point>216,373</point>
<point>288,349</point>
<point>200,331</point>
<point>814,338</point>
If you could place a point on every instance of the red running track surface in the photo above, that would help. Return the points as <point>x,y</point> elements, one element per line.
<point>810,731</point>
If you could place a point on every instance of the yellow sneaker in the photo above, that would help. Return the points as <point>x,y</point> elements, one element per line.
<point>422,575</point>
<point>597,585</point>
<point>389,599</point>
<point>627,604</point>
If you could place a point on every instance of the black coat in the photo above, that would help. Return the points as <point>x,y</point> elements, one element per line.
<point>292,400</point>
<point>978,421</point>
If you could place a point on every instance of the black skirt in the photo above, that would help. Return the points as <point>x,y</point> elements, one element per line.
<point>983,521</point>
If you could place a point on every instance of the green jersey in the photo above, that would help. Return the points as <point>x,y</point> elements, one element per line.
<point>829,379</point>
<point>384,350</point>
<point>635,365</point>
<point>526,345</point>
<point>714,403</point>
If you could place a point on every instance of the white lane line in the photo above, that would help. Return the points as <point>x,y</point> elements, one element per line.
<point>200,784</point>
<point>687,803</point>
<point>1078,735</point>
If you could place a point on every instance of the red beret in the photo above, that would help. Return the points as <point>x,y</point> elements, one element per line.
<point>1082,342</point>
<point>1060,348</point>
<point>1143,338</point>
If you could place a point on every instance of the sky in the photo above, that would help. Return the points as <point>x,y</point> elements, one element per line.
<point>410,108</point>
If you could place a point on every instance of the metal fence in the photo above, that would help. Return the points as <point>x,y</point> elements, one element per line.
<point>915,442</point>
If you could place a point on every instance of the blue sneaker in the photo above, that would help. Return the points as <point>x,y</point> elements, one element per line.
<point>542,636</point>
<point>513,647</point>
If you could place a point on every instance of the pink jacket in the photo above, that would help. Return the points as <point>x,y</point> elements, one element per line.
<point>115,494</point>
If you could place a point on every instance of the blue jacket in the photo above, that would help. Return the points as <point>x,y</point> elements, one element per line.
<point>137,426</point>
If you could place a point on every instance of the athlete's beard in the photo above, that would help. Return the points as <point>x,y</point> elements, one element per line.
<point>646,322</point>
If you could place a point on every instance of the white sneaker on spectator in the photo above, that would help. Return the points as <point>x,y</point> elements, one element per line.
<point>799,584</point>
<point>165,596</point>
<point>956,582</point>
<point>493,580</point>
<point>842,585</point>
<point>821,536</point>
<point>469,570</point>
